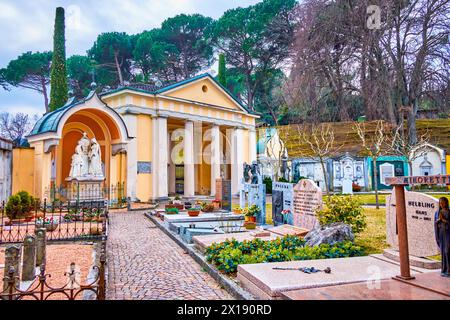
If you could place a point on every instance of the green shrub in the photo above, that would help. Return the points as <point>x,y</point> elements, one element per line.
<point>345,209</point>
<point>229,254</point>
<point>19,205</point>
<point>172,210</point>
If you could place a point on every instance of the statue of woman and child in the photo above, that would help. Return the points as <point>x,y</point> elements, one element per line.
<point>442,232</point>
<point>87,159</point>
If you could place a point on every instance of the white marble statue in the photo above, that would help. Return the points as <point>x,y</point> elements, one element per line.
<point>87,159</point>
<point>84,144</point>
<point>95,157</point>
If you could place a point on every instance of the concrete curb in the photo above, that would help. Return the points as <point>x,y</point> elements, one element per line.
<point>231,287</point>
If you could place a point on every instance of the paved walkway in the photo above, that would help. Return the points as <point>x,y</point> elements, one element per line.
<point>144,263</point>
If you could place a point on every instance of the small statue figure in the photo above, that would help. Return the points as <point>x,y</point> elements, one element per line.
<point>255,173</point>
<point>442,232</point>
<point>83,145</point>
<point>95,158</point>
<point>247,169</point>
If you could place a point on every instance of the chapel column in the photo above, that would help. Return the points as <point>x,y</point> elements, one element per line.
<point>188,152</point>
<point>162,158</point>
<point>171,166</point>
<point>215,157</point>
<point>131,123</point>
<point>237,160</point>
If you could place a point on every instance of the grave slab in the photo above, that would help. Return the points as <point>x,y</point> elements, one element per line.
<point>184,217</point>
<point>266,283</point>
<point>387,290</point>
<point>286,229</point>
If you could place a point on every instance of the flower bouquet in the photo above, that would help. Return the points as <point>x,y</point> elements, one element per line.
<point>285,214</point>
<point>49,223</point>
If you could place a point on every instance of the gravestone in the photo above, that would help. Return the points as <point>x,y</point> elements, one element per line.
<point>307,199</point>
<point>251,194</point>
<point>282,194</point>
<point>347,187</point>
<point>223,193</point>
<point>12,260</point>
<point>41,242</point>
<point>420,209</point>
<point>29,258</point>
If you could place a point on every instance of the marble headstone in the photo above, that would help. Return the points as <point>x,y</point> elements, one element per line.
<point>282,199</point>
<point>420,209</point>
<point>307,199</point>
<point>347,187</point>
<point>223,193</point>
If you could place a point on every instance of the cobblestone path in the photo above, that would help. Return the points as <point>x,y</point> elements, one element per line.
<point>144,263</point>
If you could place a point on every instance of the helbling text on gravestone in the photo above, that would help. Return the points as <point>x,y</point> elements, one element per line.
<point>420,209</point>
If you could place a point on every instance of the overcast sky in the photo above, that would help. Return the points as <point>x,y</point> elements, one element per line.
<point>28,26</point>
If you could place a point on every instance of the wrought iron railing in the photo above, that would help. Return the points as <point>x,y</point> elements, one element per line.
<point>63,221</point>
<point>40,289</point>
<point>115,195</point>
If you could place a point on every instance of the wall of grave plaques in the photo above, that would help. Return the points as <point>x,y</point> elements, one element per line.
<point>310,169</point>
<point>347,167</point>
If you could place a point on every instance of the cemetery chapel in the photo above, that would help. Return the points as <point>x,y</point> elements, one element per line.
<point>156,141</point>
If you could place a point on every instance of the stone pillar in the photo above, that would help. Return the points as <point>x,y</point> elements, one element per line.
<point>12,259</point>
<point>131,122</point>
<point>171,167</point>
<point>154,137</point>
<point>29,258</point>
<point>188,152</point>
<point>161,165</point>
<point>215,157</point>
<point>236,160</point>
<point>41,242</point>
<point>252,145</point>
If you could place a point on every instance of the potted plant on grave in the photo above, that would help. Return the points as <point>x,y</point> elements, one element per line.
<point>187,204</point>
<point>49,223</point>
<point>251,212</point>
<point>194,211</point>
<point>207,207</point>
<point>171,210</point>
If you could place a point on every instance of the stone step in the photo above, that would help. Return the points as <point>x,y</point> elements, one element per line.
<point>413,261</point>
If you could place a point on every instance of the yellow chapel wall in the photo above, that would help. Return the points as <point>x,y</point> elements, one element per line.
<point>194,92</point>
<point>144,188</point>
<point>23,170</point>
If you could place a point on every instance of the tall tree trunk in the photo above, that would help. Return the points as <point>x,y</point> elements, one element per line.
<point>325,176</point>
<point>412,131</point>
<point>119,71</point>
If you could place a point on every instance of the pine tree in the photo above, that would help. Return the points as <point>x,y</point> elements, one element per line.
<point>222,77</point>
<point>58,81</point>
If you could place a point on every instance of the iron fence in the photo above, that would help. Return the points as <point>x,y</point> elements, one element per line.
<point>40,289</point>
<point>71,220</point>
<point>115,195</point>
